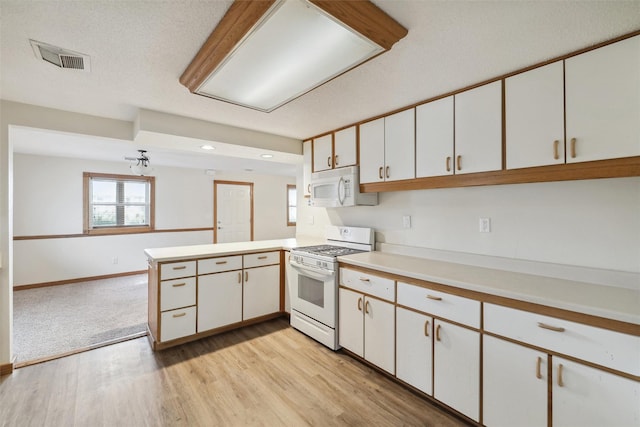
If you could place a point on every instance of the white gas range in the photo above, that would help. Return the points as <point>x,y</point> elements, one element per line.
<point>314,293</point>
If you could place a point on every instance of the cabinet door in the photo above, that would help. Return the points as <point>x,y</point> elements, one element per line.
<point>434,138</point>
<point>534,117</point>
<point>306,167</point>
<point>261,291</point>
<point>478,127</point>
<point>379,334</point>
<point>345,148</point>
<point>514,384</point>
<point>399,146</point>
<point>585,396</point>
<point>414,344</point>
<point>219,300</point>
<point>372,151</point>
<point>456,373</point>
<point>323,153</point>
<point>603,102</point>
<point>351,321</point>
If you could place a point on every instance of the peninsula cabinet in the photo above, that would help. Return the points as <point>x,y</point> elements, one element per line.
<point>602,89</point>
<point>478,129</point>
<point>335,150</point>
<point>195,298</point>
<point>367,320</point>
<point>387,148</point>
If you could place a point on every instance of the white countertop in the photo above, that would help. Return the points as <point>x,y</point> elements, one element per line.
<point>220,249</point>
<point>616,303</point>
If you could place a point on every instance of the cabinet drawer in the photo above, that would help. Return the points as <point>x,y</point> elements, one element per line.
<point>177,293</point>
<point>173,270</point>
<point>177,323</point>
<point>258,260</point>
<point>452,307</point>
<point>368,283</point>
<point>614,350</point>
<point>216,265</point>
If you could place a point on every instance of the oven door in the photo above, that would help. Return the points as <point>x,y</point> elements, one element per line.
<point>313,293</point>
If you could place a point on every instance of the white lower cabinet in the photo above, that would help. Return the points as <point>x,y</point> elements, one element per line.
<point>178,323</point>
<point>219,300</point>
<point>585,396</point>
<point>456,368</point>
<point>514,384</point>
<point>414,349</point>
<point>367,328</point>
<point>261,291</point>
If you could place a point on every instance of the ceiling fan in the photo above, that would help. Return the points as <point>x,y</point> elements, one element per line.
<point>141,167</point>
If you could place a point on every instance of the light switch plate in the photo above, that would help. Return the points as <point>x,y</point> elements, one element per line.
<point>484,225</point>
<point>406,221</point>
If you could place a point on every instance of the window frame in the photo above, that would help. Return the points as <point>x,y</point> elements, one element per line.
<point>289,205</point>
<point>86,202</point>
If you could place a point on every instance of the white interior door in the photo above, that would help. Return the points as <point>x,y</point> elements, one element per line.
<point>233,216</point>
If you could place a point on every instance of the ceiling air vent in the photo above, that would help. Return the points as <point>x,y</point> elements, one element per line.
<point>60,57</point>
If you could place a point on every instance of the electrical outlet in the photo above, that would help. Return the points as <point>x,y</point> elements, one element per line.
<point>484,225</point>
<point>406,221</point>
<point>115,259</point>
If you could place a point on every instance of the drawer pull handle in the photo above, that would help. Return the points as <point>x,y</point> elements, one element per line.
<point>556,144</point>
<point>426,328</point>
<point>182,267</point>
<point>366,307</point>
<point>538,366</point>
<point>364,279</point>
<point>549,327</point>
<point>459,163</point>
<point>220,262</point>
<point>239,277</point>
<point>438,333</point>
<point>387,172</point>
<point>380,173</point>
<point>560,381</point>
<point>177,285</point>
<point>180,314</point>
<point>246,276</point>
<point>573,148</point>
<point>329,161</point>
<point>433,297</point>
<point>336,160</point>
<point>262,257</point>
<point>359,304</point>
<point>448,163</point>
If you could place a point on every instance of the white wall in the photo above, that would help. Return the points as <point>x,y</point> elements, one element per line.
<point>48,201</point>
<point>592,223</point>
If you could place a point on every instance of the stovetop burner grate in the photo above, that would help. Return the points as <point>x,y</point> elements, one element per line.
<point>328,250</point>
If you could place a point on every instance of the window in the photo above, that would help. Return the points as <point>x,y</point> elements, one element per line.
<point>292,196</point>
<point>118,203</point>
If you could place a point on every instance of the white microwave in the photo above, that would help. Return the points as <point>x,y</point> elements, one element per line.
<point>339,188</point>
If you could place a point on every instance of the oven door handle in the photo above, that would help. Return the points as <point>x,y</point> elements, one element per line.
<point>314,273</point>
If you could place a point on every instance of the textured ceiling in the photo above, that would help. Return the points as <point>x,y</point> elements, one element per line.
<point>139,49</point>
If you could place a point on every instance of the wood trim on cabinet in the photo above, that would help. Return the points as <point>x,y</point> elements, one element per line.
<point>612,168</point>
<point>78,280</point>
<point>587,319</point>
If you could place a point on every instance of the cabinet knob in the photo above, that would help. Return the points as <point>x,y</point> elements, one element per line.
<point>556,145</point>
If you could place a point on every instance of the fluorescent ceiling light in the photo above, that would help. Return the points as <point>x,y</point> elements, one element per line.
<point>264,54</point>
<point>266,156</point>
<point>207,147</point>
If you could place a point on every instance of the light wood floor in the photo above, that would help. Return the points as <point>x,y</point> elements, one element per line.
<point>263,375</point>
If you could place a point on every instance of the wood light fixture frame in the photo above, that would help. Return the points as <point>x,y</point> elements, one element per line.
<point>244,16</point>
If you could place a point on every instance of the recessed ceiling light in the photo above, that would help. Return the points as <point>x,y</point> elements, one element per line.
<point>207,147</point>
<point>266,156</point>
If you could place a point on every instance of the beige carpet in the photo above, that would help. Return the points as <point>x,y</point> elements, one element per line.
<point>58,319</point>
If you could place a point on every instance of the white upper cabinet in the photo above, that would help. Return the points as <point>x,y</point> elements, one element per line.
<point>323,153</point>
<point>372,151</point>
<point>306,167</point>
<point>345,148</point>
<point>434,138</point>
<point>478,129</point>
<point>387,148</point>
<point>603,102</point>
<point>534,119</point>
